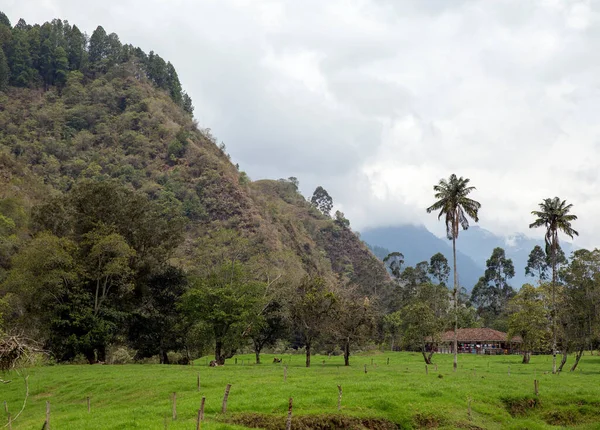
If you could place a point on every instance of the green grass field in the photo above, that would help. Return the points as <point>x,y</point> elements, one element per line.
<point>139,396</point>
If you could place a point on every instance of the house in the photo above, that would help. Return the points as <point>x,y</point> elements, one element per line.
<point>480,341</point>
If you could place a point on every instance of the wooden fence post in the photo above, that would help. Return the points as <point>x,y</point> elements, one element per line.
<point>339,397</point>
<point>388,361</point>
<point>89,405</point>
<point>198,382</point>
<point>365,368</point>
<point>202,408</point>
<point>47,424</point>
<point>285,374</point>
<point>536,387</point>
<point>224,407</point>
<point>198,419</point>
<point>288,423</point>
<point>174,406</point>
<point>9,422</point>
<point>426,370</point>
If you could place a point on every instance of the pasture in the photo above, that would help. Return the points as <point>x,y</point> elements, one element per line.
<point>140,396</point>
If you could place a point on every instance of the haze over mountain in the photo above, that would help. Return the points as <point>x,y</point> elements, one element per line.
<point>474,247</point>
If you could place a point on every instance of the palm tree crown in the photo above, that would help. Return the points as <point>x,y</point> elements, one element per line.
<point>452,201</point>
<point>554,215</point>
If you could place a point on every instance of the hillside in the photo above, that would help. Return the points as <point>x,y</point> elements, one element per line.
<point>100,157</point>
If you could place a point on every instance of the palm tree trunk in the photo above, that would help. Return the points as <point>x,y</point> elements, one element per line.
<point>454,293</point>
<point>553,248</point>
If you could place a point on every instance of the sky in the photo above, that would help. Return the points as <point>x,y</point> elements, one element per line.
<point>376,100</point>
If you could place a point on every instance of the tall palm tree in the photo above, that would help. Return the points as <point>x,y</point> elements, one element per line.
<point>453,203</point>
<point>554,215</point>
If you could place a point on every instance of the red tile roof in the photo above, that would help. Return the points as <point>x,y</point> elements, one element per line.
<point>478,335</point>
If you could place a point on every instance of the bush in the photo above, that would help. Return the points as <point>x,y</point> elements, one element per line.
<point>120,355</point>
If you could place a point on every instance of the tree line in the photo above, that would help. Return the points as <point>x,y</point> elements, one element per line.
<point>41,56</point>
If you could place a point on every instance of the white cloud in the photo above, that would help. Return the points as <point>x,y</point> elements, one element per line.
<point>376,100</point>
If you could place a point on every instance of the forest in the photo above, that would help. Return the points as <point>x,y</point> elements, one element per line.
<point>128,235</point>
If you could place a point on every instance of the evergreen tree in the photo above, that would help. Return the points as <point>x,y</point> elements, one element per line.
<point>173,84</point>
<point>61,67</point>
<point>4,71</point>
<point>76,51</point>
<point>98,46</point>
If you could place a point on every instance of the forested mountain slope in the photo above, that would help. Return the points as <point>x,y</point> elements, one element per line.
<point>111,198</point>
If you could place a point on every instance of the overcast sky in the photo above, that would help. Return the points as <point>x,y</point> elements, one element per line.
<point>376,100</point>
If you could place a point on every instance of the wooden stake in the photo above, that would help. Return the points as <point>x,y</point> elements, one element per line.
<point>285,374</point>
<point>426,370</point>
<point>536,387</point>
<point>89,405</point>
<point>365,368</point>
<point>224,407</point>
<point>198,382</point>
<point>288,423</point>
<point>174,406</point>
<point>9,422</point>
<point>202,408</point>
<point>339,397</point>
<point>388,361</point>
<point>198,419</point>
<point>47,424</point>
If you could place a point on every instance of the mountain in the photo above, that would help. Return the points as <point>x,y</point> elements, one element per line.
<point>106,179</point>
<point>417,244</point>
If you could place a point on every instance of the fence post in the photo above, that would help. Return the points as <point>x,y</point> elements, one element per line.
<point>47,424</point>
<point>198,382</point>
<point>89,405</point>
<point>365,368</point>
<point>9,422</point>
<point>288,423</point>
<point>285,374</point>
<point>202,408</point>
<point>224,407</point>
<point>536,387</point>
<point>339,397</point>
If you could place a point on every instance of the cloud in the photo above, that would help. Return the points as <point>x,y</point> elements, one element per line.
<point>376,100</point>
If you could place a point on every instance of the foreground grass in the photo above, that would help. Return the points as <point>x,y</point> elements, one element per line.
<point>139,396</point>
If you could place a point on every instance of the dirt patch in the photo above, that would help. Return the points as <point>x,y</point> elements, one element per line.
<point>312,422</point>
<point>564,417</point>
<point>520,406</point>
<point>428,420</point>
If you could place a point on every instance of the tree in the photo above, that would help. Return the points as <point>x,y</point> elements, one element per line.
<point>453,203</point>
<point>425,318</point>
<point>353,321</point>
<point>394,261</point>
<point>98,49</point>
<point>341,220</point>
<point>225,301</point>
<point>528,319</point>
<point>555,216</point>
<point>578,312</point>
<point>439,268</point>
<point>310,311</point>
<point>537,264</point>
<point>492,291</point>
<point>157,325</point>
<point>322,201</point>
<point>392,324</point>
<point>4,71</point>
<point>266,327</point>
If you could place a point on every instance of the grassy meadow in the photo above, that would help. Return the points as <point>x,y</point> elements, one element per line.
<point>139,396</point>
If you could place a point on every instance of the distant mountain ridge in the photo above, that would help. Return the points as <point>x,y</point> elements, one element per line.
<point>474,246</point>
